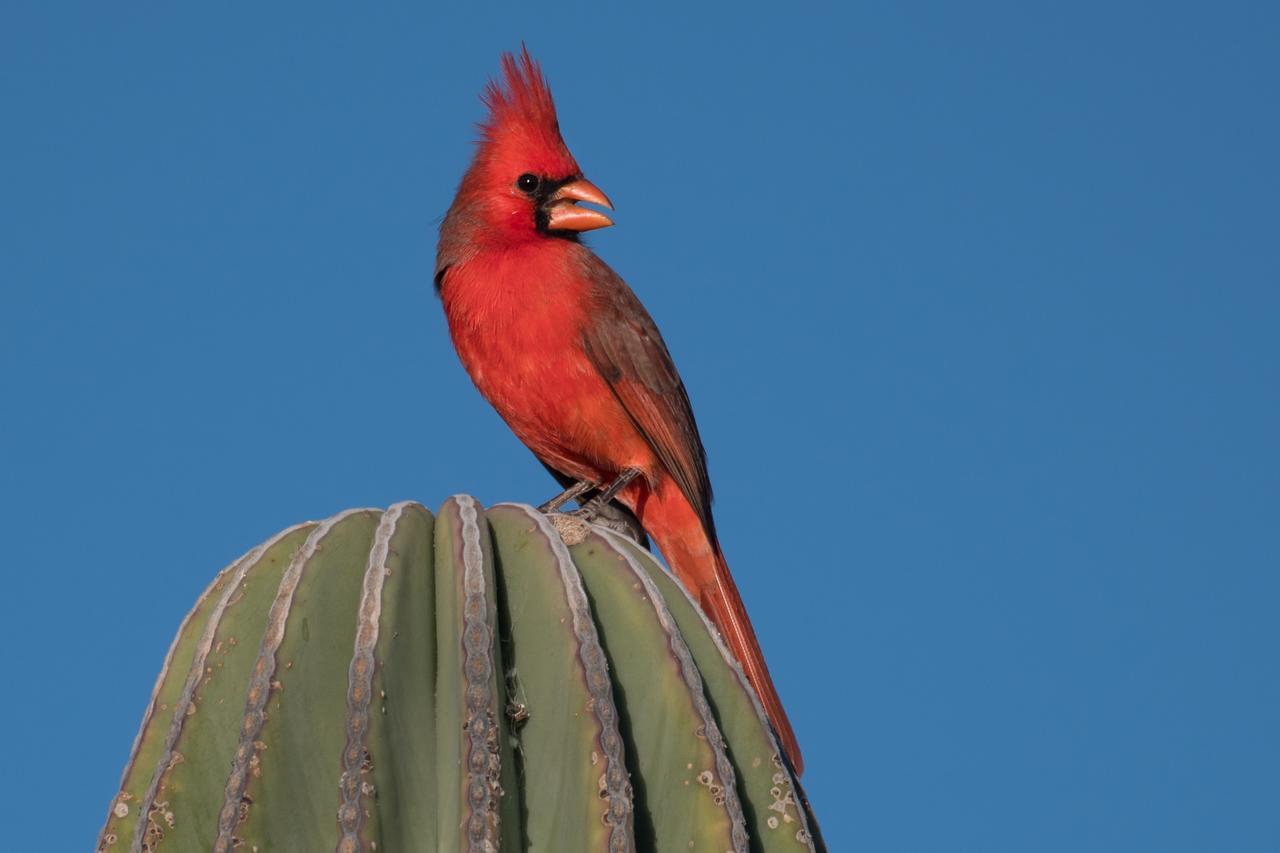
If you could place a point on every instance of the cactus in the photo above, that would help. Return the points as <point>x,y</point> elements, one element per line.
<point>394,681</point>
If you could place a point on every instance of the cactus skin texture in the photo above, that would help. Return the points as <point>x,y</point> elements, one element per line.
<point>394,681</point>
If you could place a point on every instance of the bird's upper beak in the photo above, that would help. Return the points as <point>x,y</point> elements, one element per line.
<point>564,213</point>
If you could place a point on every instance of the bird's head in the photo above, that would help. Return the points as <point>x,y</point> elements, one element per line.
<point>524,183</point>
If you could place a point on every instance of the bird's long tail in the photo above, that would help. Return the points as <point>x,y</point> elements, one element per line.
<point>701,568</point>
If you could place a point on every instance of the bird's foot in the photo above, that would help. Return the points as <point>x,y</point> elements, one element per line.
<point>573,526</point>
<point>596,505</point>
<point>576,490</point>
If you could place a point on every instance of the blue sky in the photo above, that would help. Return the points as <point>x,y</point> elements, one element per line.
<point>977,305</point>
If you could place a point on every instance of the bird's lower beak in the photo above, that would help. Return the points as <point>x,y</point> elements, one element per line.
<point>563,213</point>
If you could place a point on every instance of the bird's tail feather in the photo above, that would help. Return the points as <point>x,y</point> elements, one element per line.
<point>701,568</point>
<point>721,602</point>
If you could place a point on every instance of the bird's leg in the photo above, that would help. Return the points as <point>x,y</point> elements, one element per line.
<point>567,495</point>
<point>593,507</point>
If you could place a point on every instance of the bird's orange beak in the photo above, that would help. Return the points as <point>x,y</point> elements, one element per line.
<point>564,213</point>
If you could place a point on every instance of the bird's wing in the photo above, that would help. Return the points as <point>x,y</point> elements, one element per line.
<point>624,345</point>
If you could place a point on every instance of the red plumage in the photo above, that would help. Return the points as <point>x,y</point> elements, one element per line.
<point>557,342</point>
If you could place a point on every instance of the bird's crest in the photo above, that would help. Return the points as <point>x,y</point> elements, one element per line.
<point>521,98</point>
<point>521,111</point>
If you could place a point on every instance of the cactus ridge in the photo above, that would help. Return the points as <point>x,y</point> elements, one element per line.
<point>398,681</point>
<point>481,757</point>
<point>743,717</point>
<point>727,782</point>
<point>228,580</point>
<point>351,811</point>
<point>260,684</point>
<point>615,785</point>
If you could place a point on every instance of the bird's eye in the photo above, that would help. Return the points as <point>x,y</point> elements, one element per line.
<point>527,182</point>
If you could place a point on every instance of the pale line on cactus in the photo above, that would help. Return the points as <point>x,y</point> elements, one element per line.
<point>155,691</point>
<point>195,674</point>
<point>806,836</point>
<point>360,679</point>
<point>482,765</point>
<point>260,685</point>
<point>596,670</point>
<point>693,681</point>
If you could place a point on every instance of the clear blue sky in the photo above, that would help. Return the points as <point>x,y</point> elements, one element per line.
<point>978,304</point>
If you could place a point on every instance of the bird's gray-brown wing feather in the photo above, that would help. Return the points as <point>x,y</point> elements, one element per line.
<point>624,345</point>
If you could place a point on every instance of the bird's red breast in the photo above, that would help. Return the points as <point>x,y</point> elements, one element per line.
<point>517,318</point>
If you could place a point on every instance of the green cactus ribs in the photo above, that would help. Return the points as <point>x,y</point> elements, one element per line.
<point>398,681</point>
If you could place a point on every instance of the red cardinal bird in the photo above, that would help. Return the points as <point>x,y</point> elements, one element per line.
<point>565,352</point>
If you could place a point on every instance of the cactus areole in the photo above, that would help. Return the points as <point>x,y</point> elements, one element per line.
<point>398,681</point>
